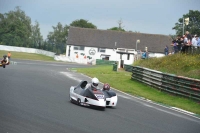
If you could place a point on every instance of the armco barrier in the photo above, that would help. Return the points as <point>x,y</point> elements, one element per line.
<point>128,68</point>
<point>177,85</point>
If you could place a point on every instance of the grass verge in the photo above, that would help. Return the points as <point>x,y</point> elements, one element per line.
<point>28,56</point>
<point>121,80</point>
<point>180,64</point>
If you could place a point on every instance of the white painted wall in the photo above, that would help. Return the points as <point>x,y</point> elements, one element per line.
<point>98,55</point>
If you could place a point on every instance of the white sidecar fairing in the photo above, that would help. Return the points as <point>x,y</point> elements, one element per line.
<point>87,97</point>
<point>111,98</point>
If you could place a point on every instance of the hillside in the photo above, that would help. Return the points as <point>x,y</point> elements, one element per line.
<point>178,64</point>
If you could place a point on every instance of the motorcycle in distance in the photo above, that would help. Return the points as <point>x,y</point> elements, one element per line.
<point>4,61</point>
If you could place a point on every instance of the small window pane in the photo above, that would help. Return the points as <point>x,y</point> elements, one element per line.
<point>79,47</point>
<point>75,48</point>
<point>101,50</point>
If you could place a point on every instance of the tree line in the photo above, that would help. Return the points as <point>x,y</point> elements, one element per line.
<point>16,30</point>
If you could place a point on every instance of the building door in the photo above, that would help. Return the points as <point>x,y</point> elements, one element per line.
<point>122,64</point>
<point>69,51</point>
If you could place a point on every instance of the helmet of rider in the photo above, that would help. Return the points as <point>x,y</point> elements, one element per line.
<point>4,56</point>
<point>95,82</point>
<point>106,86</point>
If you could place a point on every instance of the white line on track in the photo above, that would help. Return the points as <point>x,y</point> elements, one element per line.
<point>40,64</point>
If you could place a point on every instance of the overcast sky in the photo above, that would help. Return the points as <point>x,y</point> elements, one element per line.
<point>145,16</point>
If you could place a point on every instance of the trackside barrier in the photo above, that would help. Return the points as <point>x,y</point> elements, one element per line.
<point>128,68</point>
<point>177,85</point>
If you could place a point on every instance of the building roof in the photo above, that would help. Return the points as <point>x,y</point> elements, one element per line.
<point>107,38</point>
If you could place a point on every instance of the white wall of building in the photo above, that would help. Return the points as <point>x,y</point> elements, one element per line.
<point>111,53</point>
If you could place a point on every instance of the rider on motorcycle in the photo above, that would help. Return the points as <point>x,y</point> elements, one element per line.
<point>94,84</point>
<point>106,87</point>
<point>5,60</point>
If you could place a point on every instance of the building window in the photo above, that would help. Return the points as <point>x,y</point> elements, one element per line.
<point>102,50</point>
<point>79,47</point>
<point>105,58</point>
<point>121,49</point>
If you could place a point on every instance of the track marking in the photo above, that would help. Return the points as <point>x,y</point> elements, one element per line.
<point>70,75</point>
<point>40,64</point>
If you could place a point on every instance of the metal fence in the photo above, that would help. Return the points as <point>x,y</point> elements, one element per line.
<point>177,85</point>
<point>128,68</point>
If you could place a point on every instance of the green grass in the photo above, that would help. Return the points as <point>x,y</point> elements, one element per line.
<point>28,56</point>
<point>179,64</point>
<point>121,80</point>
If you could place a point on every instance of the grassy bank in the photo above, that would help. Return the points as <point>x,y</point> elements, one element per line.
<point>29,56</point>
<point>179,64</point>
<point>121,80</point>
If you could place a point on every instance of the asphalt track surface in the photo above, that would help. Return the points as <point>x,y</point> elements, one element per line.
<point>34,98</point>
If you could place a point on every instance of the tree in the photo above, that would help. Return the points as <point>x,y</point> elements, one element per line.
<point>15,28</point>
<point>194,23</point>
<point>36,37</point>
<point>58,38</point>
<point>118,28</point>
<point>83,24</point>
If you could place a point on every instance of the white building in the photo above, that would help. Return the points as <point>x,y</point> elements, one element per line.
<point>88,55</point>
<point>85,45</point>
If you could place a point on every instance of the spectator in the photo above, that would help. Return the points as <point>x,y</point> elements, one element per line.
<point>166,50</point>
<point>185,44</point>
<point>174,44</point>
<point>144,55</point>
<point>178,43</point>
<point>181,43</point>
<point>189,37</point>
<point>194,41</point>
<point>198,41</point>
<point>9,55</point>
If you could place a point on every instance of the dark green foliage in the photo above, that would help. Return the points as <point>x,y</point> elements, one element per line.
<point>83,24</point>
<point>57,39</point>
<point>15,28</point>
<point>194,23</point>
<point>36,37</point>
<point>117,29</point>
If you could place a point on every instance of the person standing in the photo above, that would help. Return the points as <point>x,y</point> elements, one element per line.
<point>194,41</point>
<point>179,43</point>
<point>166,50</point>
<point>198,41</point>
<point>174,44</point>
<point>9,55</point>
<point>189,38</point>
<point>185,44</point>
<point>189,45</point>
